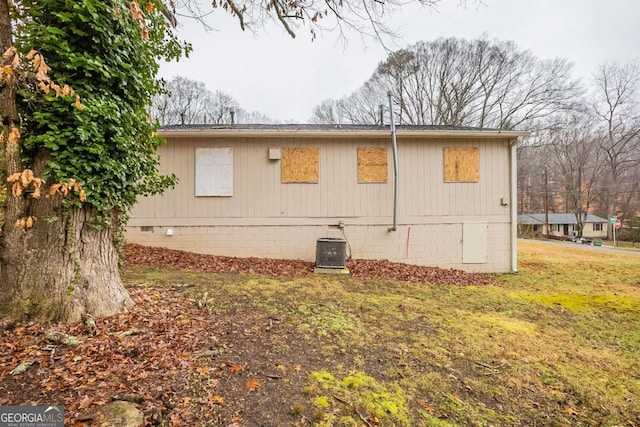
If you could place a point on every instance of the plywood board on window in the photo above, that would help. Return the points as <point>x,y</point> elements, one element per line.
<point>461,164</point>
<point>372,164</point>
<point>300,165</point>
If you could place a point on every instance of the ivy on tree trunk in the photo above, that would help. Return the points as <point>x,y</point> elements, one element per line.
<point>77,148</point>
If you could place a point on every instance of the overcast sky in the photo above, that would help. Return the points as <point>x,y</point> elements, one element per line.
<point>285,78</point>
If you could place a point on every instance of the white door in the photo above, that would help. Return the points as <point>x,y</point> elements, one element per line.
<point>474,243</point>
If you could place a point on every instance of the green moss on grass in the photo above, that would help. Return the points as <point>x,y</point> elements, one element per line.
<point>360,395</point>
<point>581,302</point>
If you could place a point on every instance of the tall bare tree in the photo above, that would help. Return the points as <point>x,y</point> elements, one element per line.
<point>577,164</point>
<point>474,83</point>
<point>188,101</point>
<point>183,101</point>
<point>616,103</point>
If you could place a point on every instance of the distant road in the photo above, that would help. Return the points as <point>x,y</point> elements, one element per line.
<point>586,247</point>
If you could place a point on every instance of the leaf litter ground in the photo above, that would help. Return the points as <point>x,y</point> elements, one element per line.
<point>222,341</point>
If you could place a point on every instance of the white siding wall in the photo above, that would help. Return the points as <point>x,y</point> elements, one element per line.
<point>267,218</point>
<point>426,244</point>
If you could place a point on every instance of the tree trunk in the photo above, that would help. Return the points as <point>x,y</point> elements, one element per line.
<point>61,268</point>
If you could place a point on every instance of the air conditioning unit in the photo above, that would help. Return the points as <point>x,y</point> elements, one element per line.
<point>331,252</point>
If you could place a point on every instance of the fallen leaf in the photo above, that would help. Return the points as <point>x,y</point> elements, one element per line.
<point>203,370</point>
<point>218,400</point>
<point>430,410</point>
<point>569,410</point>
<point>252,385</point>
<point>21,368</point>
<point>85,402</point>
<point>236,368</point>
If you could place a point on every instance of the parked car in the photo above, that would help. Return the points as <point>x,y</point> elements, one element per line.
<point>581,240</point>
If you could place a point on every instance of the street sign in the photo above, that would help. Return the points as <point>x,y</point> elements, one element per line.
<point>617,224</point>
<point>612,220</point>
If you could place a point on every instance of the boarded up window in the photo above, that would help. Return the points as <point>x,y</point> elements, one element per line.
<point>300,165</point>
<point>214,171</point>
<point>372,164</point>
<point>461,164</point>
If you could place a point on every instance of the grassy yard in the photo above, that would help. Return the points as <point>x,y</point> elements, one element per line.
<point>556,344</point>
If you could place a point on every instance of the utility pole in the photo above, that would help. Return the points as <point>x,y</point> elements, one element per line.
<point>546,202</point>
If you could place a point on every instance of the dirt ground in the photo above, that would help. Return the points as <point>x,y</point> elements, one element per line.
<point>185,359</point>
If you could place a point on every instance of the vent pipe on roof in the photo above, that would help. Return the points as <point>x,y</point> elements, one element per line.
<point>394,145</point>
<point>233,117</point>
<point>381,113</point>
<point>182,119</point>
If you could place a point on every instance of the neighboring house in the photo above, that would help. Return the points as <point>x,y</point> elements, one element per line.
<point>561,224</point>
<point>274,190</point>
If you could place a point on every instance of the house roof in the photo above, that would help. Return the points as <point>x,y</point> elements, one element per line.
<point>556,218</point>
<point>327,131</point>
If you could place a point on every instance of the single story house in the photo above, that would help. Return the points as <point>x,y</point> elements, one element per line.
<point>445,196</point>
<point>562,224</point>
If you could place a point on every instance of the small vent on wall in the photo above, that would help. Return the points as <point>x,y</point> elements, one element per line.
<point>146,228</point>
<point>275,153</point>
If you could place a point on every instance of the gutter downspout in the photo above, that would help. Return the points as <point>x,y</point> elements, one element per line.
<point>394,145</point>
<point>514,205</point>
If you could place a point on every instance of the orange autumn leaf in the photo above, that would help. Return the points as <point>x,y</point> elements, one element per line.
<point>16,62</point>
<point>67,90</point>
<point>569,410</point>
<point>41,67</point>
<point>56,88</point>
<point>44,87</point>
<point>16,189</point>
<point>136,11</point>
<point>236,368</point>
<point>252,385</point>
<point>455,397</point>
<point>11,51</point>
<point>14,177</point>
<point>78,104</point>
<point>26,177</point>
<point>202,370</point>
<point>54,189</point>
<point>14,135</point>
<point>150,7</point>
<point>218,400</point>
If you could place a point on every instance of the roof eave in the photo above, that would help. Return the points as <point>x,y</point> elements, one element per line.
<point>252,133</point>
